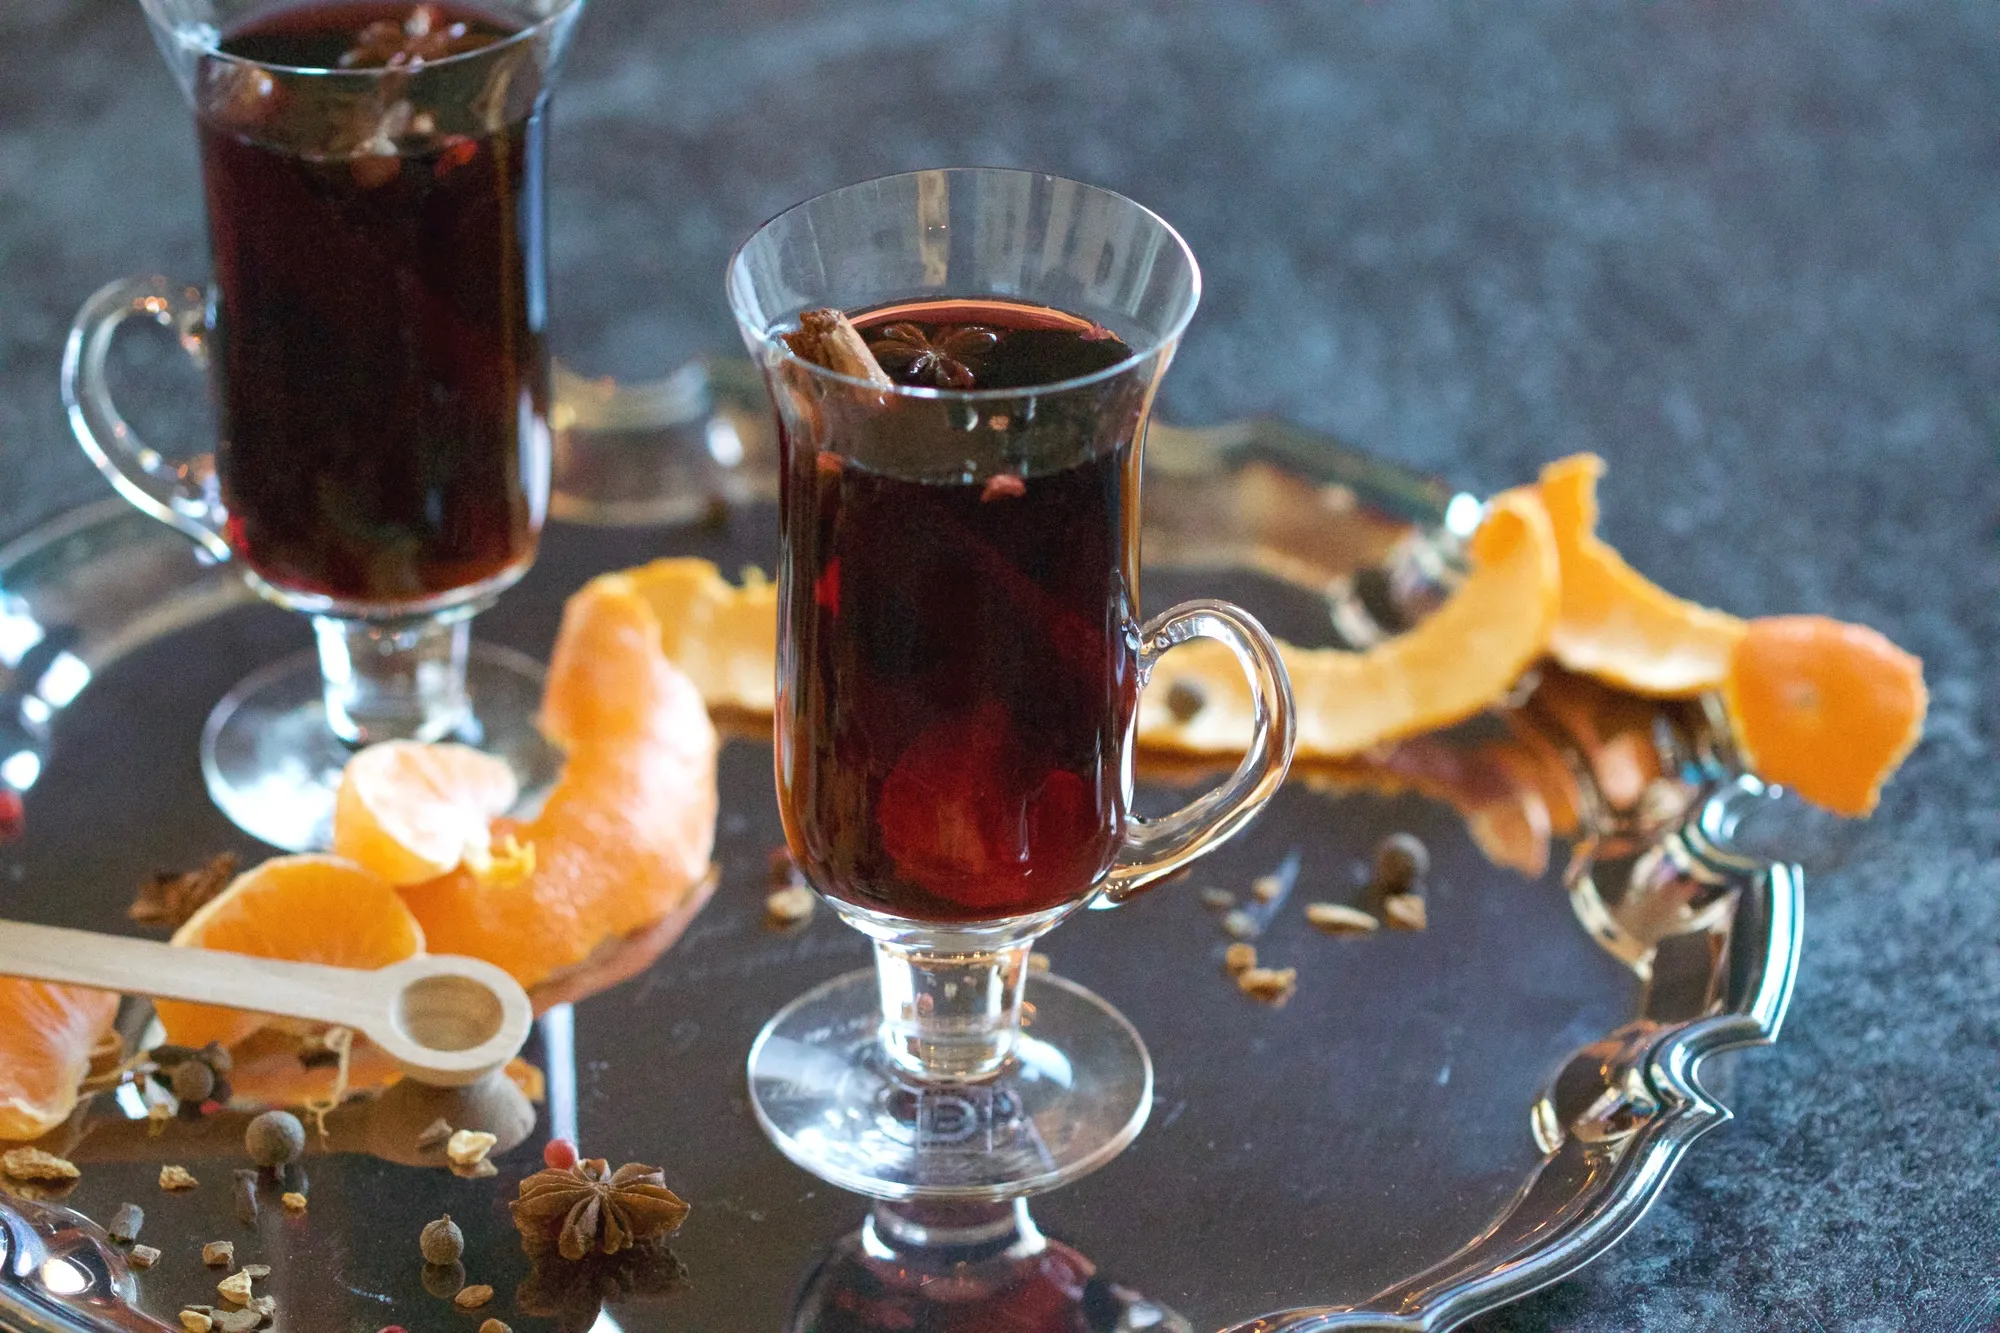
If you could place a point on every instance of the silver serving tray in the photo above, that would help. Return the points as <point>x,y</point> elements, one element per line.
<point>1437,1124</point>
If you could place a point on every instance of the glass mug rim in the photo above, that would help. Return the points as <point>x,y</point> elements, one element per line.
<point>740,303</point>
<point>212,49</point>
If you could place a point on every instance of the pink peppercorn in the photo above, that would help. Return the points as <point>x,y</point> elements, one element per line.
<point>559,1154</point>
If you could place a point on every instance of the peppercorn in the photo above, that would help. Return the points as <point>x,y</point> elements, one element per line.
<point>274,1138</point>
<point>442,1242</point>
<point>193,1081</point>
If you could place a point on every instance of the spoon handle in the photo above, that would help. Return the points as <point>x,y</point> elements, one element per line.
<point>206,976</point>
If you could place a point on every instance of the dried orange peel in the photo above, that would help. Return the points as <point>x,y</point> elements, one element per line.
<point>1459,661</point>
<point>1616,624</point>
<point>47,1033</point>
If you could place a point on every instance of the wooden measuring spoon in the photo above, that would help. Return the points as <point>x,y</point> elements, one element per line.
<point>444,1018</point>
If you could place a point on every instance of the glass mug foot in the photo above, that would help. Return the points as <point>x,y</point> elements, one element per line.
<point>272,762</point>
<point>1074,1093</point>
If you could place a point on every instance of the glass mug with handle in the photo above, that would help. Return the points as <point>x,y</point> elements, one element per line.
<point>960,656</point>
<point>374,336</point>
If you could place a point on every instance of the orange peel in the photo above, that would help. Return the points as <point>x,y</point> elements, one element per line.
<point>411,811</point>
<point>1616,624</point>
<point>723,635</point>
<point>1458,661</point>
<point>47,1033</point>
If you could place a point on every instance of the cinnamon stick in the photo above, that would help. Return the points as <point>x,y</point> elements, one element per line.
<point>828,338</point>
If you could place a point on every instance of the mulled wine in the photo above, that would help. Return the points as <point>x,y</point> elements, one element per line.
<point>379,304</point>
<point>961,663</point>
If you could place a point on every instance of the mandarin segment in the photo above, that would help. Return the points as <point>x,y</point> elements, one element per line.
<point>1460,660</point>
<point>411,811</point>
<point>46,1035</point>
<point>1615,624</point>
<point>1824,708</point>
<point>308,909</point>
<point>625,835</point>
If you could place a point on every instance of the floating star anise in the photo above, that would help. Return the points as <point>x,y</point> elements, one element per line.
<point>589,1208</point>
<point>939,359</point>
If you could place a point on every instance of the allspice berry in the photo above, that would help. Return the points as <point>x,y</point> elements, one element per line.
<point>442,1241</point>
<point>1401,861</point>
<point>274,1138</point>
<point>193,1080</point>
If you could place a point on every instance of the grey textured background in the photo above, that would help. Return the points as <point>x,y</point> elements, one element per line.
<point>1750,253</point>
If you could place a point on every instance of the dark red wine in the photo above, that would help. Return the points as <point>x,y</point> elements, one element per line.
<point>1054,1291</point>
<point>379,308</point>
<point>958,670</point>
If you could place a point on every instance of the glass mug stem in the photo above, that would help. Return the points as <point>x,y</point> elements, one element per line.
<point>396,680</point>
<point>951,1017</point>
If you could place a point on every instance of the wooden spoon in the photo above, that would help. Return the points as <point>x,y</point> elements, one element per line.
<point>444,1018</point>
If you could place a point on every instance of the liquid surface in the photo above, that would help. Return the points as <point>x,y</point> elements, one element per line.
<point>959,667</point>
<point>379,299</point>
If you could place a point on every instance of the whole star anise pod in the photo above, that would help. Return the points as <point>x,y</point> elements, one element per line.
<point>589,1208</point>
<point>939,360</point>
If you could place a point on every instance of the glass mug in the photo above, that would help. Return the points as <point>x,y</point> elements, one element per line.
<point>374,336</point>
<point>960,657</point>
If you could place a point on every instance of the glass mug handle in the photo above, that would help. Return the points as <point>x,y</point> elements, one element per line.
<point>1156,848</point>
<point>181,494</point>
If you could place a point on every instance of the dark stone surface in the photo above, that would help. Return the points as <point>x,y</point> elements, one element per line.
<point>1750,253</point>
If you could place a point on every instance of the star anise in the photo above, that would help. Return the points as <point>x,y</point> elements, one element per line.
<point>168,898</point>
<point>589,1208</point>
<point>423,36</point>
<point>939,359</point>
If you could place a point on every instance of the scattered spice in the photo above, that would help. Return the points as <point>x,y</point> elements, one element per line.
<point>483,1169</point>
<point>591,1208</point>
<point>1267,888</point>
<point>828,338</point>
<point>238,1321</point>
<point>196,1321</point>
<point>125,1222</point>
<point>219,1253</point>
<point>1241,924</point>
<point>168,898</point>
<point>245,1196</point>
<point>235,1287</point>
<point>494,1326</point>
<point>157,1116</point>
<point>433,1135</point>
<point>1038,962</point>
<point>274,1138</point>
<point>441,1242</point>
<point>257,1272</point>
<point>559,1154</point>
<point>1336,919</point>
<point>142,1256</point>
<point>472,1297</point>
<point>788,906</point>
<point>293,1201</point>
<point>906,350</point>
<point>1404,911</point>
<point>468,1147</point>
<point>1271,985</point>
<point>174,1178</point>
<point>1185,699</point>
<point>1239,958</point>
<point>193,1081</point>
<point>34,1164</point>
<point>1401,862</point>
<point>1217,900</point>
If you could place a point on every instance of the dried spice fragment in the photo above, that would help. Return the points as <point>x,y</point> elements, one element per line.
<point>169,898</point>
<point>1271,985</point>
<point>790,906</point>
<point>468,1147</point>
<point>494,1326</point>
<point>244,1196</point>
<point>219,1253</point>
<point>1241,924</point>
<point>471,1298</point>
<point>1038,962</point>
<point>590,1208</point>
<point>1239,958</point>
<point>433,1135</point>
<point>940,360</point>
<point>236,1321</point>
<point>34,1164</point>
<point>257,1272</point>
<point>235,1287</point>
<point>1404,911</point>
<point>828,338</point>
<point>196,1321</point>
<point>1401,862</point>
<point>293,1201</point>
<point>142,1256</point>
<point>1337,919</point>
<point>157,1116</point>
<point>1267,888</point>
<point>125,1222</point>
<point>176,1178</point>
<point>1218,900</point>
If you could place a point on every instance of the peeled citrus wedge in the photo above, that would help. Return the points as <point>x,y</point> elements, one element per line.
<point>46,1036</point>
<point>1616,624</point>
<point>625,835</point>
<point>1824,708</point>
<point>725,637</point>
<point>310,909</point>
<point>410,811</point>
<point>1461,659</point>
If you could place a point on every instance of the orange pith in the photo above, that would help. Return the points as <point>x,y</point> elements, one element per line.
<point>1615,623</point>
<point>312,909</point>
<point>1458,661</point>
<point>1824,708</point>
<point>46,1035</point>
<point>725,637</point>
<point>411,811</point>
<point>625,834</point>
